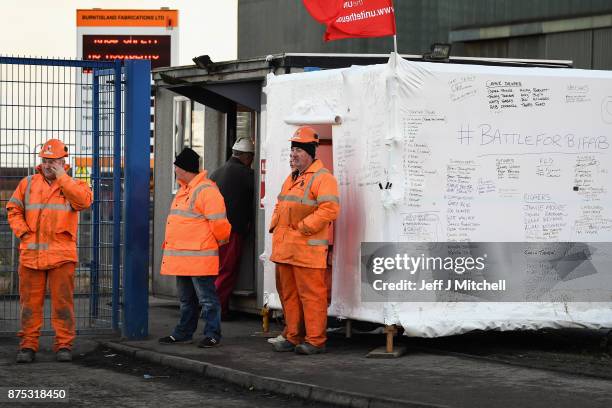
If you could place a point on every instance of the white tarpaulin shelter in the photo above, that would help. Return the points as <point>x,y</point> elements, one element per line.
<point>429,152</point>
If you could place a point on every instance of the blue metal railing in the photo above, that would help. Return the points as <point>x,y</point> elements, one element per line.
<point>81,102</point>
<point>116,279</point>
<point>95,208</point>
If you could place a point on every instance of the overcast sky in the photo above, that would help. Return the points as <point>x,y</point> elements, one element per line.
<point>47,28</point>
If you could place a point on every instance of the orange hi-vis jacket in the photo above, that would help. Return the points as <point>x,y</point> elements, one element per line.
<point>196,227</point>
<point>44,217</point>
<point>300,224</point>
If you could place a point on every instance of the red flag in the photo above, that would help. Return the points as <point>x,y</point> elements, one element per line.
<point>353,18</point>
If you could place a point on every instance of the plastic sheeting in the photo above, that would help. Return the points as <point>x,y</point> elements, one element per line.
<point>436,134</point>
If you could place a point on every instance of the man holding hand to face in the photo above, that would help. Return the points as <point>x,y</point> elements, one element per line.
<point>43,214</point>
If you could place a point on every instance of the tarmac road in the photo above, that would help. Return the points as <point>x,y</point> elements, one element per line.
<point>547,368</point>
<point>100,378</point>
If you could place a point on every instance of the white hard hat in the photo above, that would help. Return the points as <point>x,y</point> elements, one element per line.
<point>244,145</point>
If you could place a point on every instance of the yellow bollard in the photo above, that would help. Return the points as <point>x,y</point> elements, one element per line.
<point>265,313</point>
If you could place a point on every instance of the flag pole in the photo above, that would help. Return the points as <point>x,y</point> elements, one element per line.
<point>395,43</point>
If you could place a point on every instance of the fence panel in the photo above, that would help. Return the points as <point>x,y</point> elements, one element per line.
<point>78,102</point>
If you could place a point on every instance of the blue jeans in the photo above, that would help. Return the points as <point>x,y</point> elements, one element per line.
<point>194,291</point>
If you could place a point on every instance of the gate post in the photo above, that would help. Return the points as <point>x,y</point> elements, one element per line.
<point>137,171</point>
<point>117,203</point>
<point>94,280</point>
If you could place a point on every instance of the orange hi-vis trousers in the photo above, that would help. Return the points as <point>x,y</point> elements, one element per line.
<point>303,293</point>
<point>328,282</point>
<point>32,285</point>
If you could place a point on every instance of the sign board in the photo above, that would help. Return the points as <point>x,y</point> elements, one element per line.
<point>83,173</point>
<point>108,35</point>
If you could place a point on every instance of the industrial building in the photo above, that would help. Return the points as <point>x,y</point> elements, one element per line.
<point>575,30</point>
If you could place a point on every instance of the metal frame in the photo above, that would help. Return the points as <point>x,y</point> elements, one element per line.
<point>137,173</point>
<point>130,168</point>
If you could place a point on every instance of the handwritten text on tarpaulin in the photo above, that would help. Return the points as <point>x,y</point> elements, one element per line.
<point>353,18</point>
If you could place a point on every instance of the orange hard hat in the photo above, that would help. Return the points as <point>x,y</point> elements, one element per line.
<point>305,134</point>
<point>53,149</point>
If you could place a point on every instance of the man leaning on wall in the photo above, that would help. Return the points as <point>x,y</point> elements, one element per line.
<point>306,207</point>
<point>236,181</point>
<point>43,214</point>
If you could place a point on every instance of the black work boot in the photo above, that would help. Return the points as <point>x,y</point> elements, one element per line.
<point>284,345</point>
<point>173,340</point>
<point>208,342</point>
<point>308,349</point>
<point>25,355</point>
<point>63,355</point>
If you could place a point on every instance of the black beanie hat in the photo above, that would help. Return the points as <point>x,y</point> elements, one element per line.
<point>188,160</point>
<point>309,148</point>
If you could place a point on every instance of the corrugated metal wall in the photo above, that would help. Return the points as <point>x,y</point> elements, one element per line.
<point>577,45</point>
<point>588,49</point>
<point>462,13</point>
<point>276,26</point>
<point>602,52</point>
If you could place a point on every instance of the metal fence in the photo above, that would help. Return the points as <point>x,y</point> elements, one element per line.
<point>80,103</point>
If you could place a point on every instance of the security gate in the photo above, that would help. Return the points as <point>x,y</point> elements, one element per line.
<point>89,106</point>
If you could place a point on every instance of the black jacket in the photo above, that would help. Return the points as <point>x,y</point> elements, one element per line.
<point>236,183</point>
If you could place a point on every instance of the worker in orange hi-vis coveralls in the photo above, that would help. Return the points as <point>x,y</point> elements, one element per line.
<point>306,206</point>
<point>197,226</point>
<point>43,214</point>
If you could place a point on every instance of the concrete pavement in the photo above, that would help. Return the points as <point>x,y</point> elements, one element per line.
<point>99,377</point>
<point>345,377</point>
<point>429,375</point>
